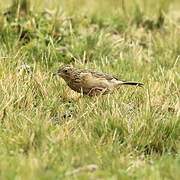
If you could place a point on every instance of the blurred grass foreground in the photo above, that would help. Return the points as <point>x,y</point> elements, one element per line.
<point>47,131</point>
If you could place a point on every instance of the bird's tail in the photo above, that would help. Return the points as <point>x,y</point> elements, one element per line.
<point>131,83</point>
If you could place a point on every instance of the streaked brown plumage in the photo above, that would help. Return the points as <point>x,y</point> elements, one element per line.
<point>91,82</point>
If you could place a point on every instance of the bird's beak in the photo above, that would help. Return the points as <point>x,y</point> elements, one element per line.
<point>56,74</point>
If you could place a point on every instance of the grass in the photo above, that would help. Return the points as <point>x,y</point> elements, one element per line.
<point>47,132</point>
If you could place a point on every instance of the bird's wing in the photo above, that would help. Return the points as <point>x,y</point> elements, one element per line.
<point>101,75</point>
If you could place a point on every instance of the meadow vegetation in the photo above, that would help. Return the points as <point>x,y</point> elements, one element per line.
<point>47,131</point>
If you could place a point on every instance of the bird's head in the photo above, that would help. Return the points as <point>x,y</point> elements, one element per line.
<point>65,72</point>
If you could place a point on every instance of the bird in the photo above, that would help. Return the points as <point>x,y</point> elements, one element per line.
<point>90,82</point>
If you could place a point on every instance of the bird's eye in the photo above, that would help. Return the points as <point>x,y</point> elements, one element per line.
<point>65,70</point>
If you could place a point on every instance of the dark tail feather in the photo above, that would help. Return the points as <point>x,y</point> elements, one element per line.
<point>132,83</point>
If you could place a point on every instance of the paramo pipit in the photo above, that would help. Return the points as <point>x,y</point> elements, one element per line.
<point>90,82</point>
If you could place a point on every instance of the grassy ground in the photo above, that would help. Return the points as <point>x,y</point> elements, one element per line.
<point>46,132</point>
